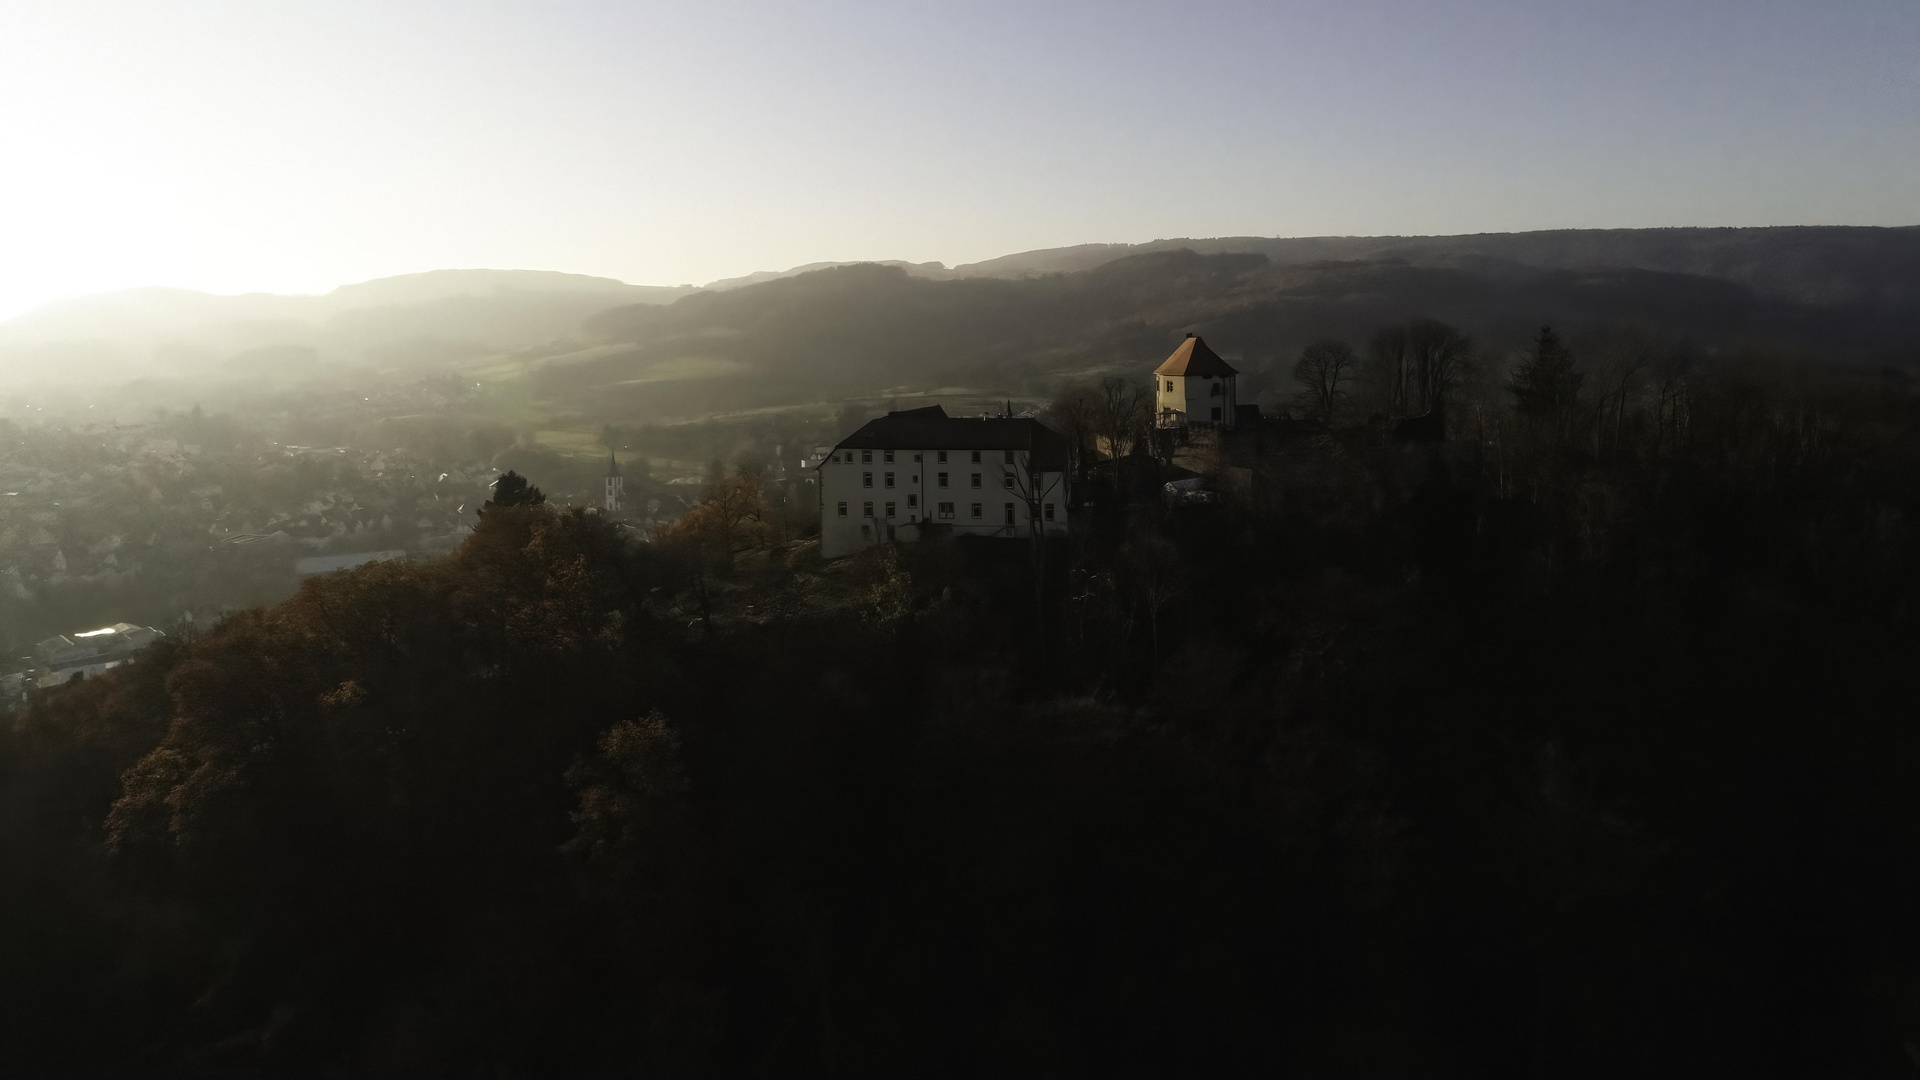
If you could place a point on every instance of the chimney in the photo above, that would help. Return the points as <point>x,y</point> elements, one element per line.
<point>1189,333</point>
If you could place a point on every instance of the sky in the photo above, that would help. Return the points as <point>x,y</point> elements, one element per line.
<point>293,147</point>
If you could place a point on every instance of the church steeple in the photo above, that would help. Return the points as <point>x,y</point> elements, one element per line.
<point>616,493</point>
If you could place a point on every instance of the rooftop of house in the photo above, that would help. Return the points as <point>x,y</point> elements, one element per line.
<point>930,428</point>
<point>62,651</point>
<point>1193,358</point>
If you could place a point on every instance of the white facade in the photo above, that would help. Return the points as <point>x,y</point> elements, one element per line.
<point>871,495</point>
<point>1194,399</point>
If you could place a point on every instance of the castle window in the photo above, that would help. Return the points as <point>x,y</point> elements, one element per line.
<point>913,501</point>
<point>866,509</point>
<point>866,479</point>
<point>1213,389</point>
<point>1007,481</point>
<point>889,479</point>
<point>889,456</point>
<point>976,479</point>
<point>843,509</point>
<point>976,512</point>
<point>943,479</point>
<point>866,456</point>
<point>889,509</point>
<point>1048,511</point>
<point>976,457</point>
<point>1009,513</point>
<point>941,457</point>
<point>946,511</point>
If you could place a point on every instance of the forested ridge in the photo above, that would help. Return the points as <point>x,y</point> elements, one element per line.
<point>1579,745</point>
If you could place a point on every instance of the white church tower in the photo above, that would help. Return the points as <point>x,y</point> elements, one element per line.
<point>616,492</point>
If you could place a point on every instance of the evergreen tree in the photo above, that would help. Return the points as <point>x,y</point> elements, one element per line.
<point>1545,384</point>
<point>512,489</point>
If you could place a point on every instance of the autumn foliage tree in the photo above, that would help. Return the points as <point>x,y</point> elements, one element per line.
<point>731,519</point>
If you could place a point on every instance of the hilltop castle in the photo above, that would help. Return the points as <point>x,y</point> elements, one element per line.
<point>917,471</point>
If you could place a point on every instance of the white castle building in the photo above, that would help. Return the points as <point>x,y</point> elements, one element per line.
<point>915,472</point>
<point>1194,387</point>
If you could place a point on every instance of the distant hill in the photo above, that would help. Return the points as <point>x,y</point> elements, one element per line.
<point>871,330</point>
<point>937,271</point>
<point>1821,265</point>
<point>436,314</point>
<point>597,347</point>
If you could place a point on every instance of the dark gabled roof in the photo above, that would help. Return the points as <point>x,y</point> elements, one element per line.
<point>930,428</point>
<point>1194,358</point>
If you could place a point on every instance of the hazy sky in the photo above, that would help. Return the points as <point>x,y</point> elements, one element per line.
<point>292,147</point>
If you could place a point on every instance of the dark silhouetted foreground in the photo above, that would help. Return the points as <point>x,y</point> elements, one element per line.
<point>1581,745</point>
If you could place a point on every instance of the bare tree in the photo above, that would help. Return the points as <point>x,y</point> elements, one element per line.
<point>1440,356</point>
<point>1323,369</point>
<point>1623,359</point>
<point>1389,360</point>
<point>1419,365</point>
<point>1126,414</point>
<point>1075,412</point>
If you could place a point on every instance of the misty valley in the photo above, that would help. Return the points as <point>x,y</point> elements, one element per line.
<point>1476,655</point>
